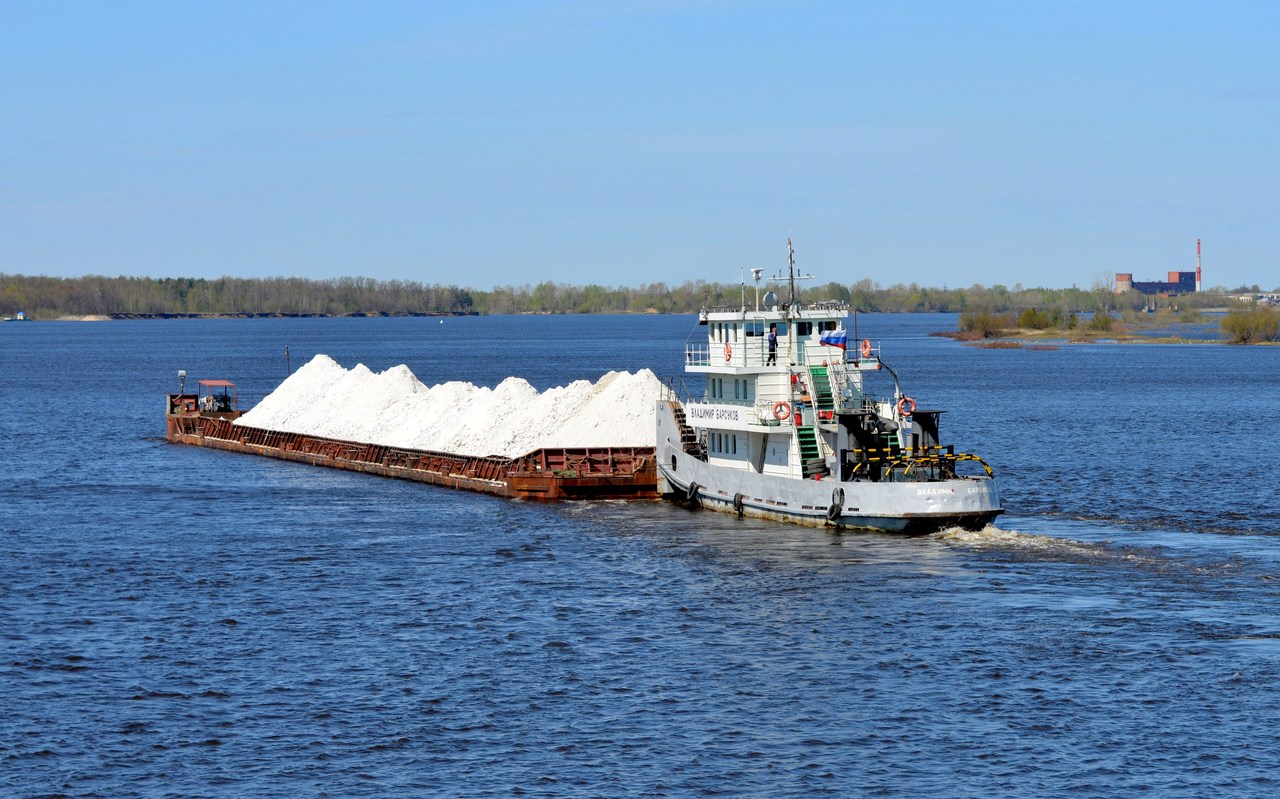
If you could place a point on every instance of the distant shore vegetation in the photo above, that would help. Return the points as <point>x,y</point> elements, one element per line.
<point>42,297</point>
<point>1251,324</point>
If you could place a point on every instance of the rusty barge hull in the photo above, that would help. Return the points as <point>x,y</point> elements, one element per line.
<point>543,475</point>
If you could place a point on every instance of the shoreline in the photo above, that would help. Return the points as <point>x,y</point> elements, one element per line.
<point>117,317</point>
<point>1047,340</point>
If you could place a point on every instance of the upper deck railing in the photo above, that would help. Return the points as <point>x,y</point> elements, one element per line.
<point>753,352</point>
<point>824,306</point>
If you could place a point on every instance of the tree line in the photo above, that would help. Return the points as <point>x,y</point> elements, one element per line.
<point>51,297</point>
<point>1241,324</point>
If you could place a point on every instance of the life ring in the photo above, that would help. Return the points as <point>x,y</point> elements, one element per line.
<point>781,410</point>
<point>906,406</point>
<point>866,348</point>
<point>728,353</point>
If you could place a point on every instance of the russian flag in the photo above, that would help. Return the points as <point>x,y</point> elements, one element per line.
<point>835,338</point>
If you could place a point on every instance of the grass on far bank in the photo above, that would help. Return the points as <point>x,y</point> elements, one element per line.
<point>1255,324</point>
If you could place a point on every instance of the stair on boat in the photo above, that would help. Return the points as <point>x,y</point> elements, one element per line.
<point>810,455</point>
<point>689,441</point>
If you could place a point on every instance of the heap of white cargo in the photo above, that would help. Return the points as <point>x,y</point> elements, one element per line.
<point>394,408</point>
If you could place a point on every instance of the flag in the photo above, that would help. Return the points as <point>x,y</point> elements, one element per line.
<point>835,338</point>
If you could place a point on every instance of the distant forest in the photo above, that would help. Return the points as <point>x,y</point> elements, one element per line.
<point>123,297</point>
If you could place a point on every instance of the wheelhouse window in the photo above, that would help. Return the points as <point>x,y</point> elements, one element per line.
<point>723,443</point>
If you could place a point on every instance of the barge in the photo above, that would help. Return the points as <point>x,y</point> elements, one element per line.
<point>208,417</point>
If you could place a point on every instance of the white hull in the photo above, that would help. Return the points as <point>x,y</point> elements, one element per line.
<point>901,507</point>
<point>789,428</point>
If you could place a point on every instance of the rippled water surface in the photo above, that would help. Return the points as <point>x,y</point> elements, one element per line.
<point>182,622</point>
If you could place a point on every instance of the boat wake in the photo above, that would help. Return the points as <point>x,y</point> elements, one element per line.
<point>1030,546</point>
<point>1026,545</point>
<point>992,537</point>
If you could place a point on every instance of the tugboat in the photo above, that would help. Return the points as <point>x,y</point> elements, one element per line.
<point>789,428</point>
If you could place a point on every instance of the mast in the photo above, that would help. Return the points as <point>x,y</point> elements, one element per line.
<point>788,308</point>
<point>791,272</point>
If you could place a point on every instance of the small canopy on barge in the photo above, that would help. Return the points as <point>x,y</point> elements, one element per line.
<point>213,396</point>
<point>215,401</point>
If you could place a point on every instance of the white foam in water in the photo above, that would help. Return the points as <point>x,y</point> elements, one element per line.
<point>395,409</point>
<point>1046,546</point>
<point>992,537</point>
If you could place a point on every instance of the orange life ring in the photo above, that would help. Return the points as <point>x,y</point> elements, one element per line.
<point>781,410</point>
<point>906,406</point>
<point>728,353</point>
<point>866,348</point>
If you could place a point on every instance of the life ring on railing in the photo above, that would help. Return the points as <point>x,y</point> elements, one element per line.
<point>866,348</point>
<point>906,406</point>
<point>728,353</point>
<point>781,410</point>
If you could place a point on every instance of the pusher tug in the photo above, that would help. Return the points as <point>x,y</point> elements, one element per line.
<point>788,428</point>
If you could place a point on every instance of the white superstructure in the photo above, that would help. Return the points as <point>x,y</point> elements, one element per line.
<point>789,428</point>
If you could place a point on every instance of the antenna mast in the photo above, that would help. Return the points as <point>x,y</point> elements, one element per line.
<point>791,277</point>
<point>791,271</point>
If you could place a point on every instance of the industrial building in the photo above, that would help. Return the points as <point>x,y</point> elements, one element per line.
<point>1178,282</point>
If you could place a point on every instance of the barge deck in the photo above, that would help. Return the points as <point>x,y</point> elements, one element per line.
<point>551,474</point>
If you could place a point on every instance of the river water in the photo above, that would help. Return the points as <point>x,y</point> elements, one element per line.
<point>191,623</point>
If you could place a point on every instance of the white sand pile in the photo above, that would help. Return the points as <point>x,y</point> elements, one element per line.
<point>394,408</point>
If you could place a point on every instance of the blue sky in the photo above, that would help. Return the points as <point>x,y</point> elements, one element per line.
<point>624,143</point>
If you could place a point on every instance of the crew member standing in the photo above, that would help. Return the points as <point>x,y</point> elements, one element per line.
<point>773,345</point>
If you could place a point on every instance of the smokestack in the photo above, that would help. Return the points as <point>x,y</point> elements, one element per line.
<point>1197,265</point>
